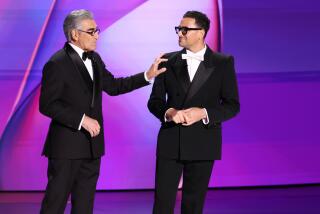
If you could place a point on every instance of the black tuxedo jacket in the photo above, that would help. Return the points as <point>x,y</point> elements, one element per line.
<point>214,87</point>
<point>68,92</point>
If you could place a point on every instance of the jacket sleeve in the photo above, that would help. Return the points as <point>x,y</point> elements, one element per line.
<point>229,99</point>
<point>51,101</point>
<point>157,103</point>
<point>115,86</point>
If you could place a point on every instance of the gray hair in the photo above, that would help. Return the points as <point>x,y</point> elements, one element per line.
<point>73,20</point>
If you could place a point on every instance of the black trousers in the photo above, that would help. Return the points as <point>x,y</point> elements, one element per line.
<point>196,177</point>
<point>76,177</point>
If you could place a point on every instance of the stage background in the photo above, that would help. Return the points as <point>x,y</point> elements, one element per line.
<point>273,141</point>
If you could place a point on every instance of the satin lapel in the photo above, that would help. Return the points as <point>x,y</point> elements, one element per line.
<point>199,79</point>
<point>78,63</point>
<point>96,81</point>
<point>205,70</point>
<point>181,71</point>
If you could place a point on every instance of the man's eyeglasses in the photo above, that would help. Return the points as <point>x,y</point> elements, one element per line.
<point>184,30</point>
<point>91,31</point>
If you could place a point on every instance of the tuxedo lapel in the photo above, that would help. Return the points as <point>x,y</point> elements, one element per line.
<point>96,81</point>
<point>78,63</point>
<point>181,71</point>
<point>204,71</point>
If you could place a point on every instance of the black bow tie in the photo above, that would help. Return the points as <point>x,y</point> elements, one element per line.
<point>86,55</point>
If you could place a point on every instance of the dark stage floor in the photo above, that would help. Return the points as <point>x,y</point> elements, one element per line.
<point>298,200</point>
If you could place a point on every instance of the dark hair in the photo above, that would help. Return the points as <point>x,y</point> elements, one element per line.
<point>201,19</point>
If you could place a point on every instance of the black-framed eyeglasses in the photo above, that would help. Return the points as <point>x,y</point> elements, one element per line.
<point>91,31</point>
<point>184,30</point>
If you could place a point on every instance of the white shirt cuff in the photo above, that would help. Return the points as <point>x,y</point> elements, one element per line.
<point>81,122</point>
<point>206,120</point>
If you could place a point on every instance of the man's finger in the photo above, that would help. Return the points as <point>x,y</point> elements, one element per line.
<point>185,118</point>
<point>178,119</point>
<point>160,56</point>
<point>91,133</point>
<point>189,123</point>
<point>161,70</point>
<point>94,131</point>
<point>187,110</point>
<point>161,60</point>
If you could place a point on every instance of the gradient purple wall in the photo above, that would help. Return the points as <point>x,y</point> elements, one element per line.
<point>274,140</point>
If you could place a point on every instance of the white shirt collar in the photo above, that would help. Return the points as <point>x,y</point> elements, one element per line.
<point>77,49</point>
<point>201,52</point>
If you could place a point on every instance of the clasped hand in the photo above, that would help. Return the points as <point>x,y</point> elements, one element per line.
<point>186,117</point>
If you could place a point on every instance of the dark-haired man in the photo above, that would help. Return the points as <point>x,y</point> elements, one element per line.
<point>191,99</point>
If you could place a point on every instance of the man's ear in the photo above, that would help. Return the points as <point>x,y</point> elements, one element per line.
<point>203,33</point>
<point>74,35</point>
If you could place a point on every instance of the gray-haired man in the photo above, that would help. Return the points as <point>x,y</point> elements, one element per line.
<point>71,95</point>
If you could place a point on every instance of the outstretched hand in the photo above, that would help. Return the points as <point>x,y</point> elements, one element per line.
<point>154,68</point>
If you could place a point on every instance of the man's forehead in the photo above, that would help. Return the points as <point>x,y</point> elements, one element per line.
<point>89,23</point>
<point>187,22</point>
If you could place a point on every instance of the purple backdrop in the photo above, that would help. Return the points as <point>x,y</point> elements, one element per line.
<point>274,140</point>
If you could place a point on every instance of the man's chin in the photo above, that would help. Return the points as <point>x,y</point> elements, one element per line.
<point>92,48</point>
<point>181,45</point>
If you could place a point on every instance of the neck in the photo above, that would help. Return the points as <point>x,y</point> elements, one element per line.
<point>77,44</point>
<point>197,47</point>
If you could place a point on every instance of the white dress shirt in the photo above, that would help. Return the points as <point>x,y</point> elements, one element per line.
<point>89,67</point>
<point>87,62</point>
<point>193,62</point>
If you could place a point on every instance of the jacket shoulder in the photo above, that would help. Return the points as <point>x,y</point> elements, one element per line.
<point>221,57</point>
<point>97,57</point>
<point>57,62</point>
<point>171,56</point>
<point>58,56</point>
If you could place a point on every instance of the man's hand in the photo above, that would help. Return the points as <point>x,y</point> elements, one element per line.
<point>91,125</point>
<point>154,68</point>
<point>193,115</point>
<point>176,116</point>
